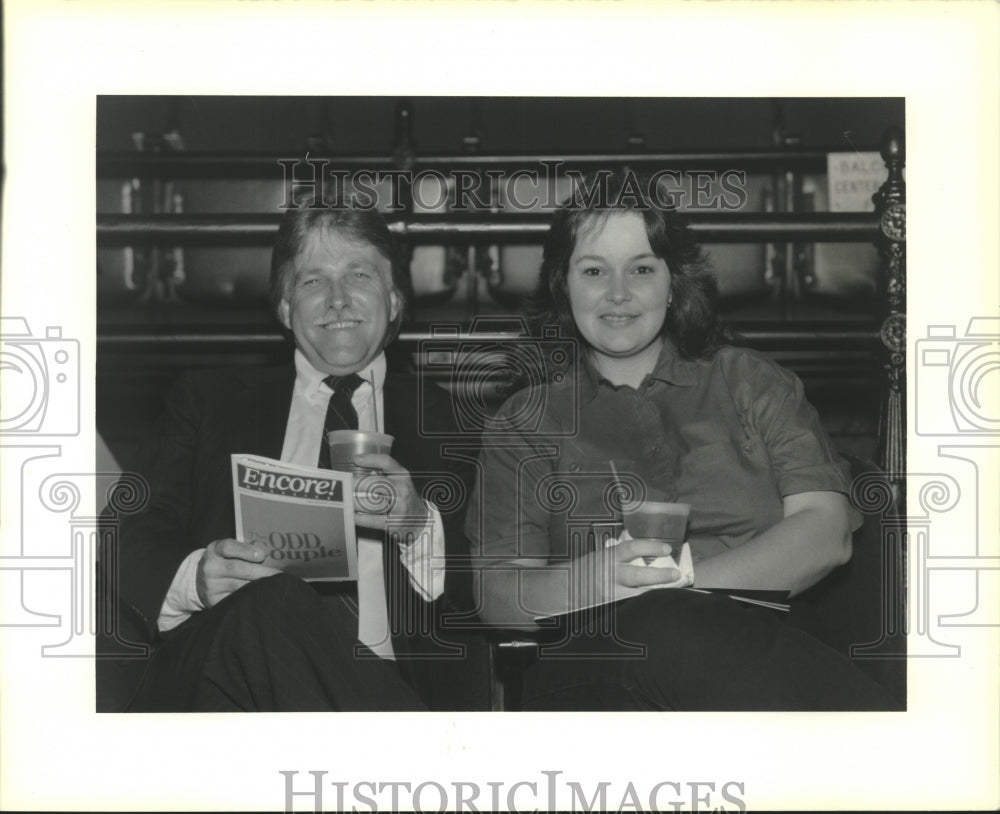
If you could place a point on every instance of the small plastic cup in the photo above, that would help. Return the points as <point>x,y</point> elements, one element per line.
<point>656,520</point>
<point>345,444</point>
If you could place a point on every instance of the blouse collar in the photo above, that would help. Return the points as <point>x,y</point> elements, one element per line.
<point>670,368</point>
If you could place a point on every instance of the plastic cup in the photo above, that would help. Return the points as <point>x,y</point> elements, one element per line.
<point>656,520</point>
<point>345,444</point>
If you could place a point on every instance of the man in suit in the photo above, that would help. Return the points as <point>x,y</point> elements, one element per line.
<point>232,633</point>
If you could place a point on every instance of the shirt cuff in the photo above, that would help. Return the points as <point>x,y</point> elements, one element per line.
<point>182,599</point>
<point>423,556</point>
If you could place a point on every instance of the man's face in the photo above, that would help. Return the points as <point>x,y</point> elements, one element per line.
<point>339,301</point>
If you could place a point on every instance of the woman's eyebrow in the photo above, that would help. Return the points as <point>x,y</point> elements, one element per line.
<point>642,256</point>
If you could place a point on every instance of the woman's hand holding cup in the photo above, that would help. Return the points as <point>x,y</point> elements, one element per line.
<point>607,575</point>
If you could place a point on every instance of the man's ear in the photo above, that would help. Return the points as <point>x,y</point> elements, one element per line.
<point>394,305</point>
<point>284,313</point>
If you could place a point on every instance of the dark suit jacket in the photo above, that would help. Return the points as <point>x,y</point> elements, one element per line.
<point>186,463</point>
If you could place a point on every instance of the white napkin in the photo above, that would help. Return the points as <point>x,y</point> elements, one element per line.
<point>682,563</point>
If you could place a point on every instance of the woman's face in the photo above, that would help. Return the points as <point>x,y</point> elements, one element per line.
<point>618,291</point>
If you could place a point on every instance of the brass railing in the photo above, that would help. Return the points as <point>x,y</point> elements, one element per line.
<point>885,228</point>
<point>728,227</point>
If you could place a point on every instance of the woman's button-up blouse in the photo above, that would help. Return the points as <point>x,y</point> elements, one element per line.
<point>731,435</point>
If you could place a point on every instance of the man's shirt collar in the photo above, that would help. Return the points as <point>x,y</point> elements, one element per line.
<point>311,380</point>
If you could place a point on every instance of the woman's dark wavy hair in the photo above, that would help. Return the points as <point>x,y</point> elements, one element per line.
<point>692,320</point>
<point>363,224</point>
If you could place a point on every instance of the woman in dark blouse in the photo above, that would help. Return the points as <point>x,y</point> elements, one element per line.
<point>658,404</point>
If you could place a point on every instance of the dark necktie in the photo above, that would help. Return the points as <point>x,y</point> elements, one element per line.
<point>340,412</point>
<point>341,415</point>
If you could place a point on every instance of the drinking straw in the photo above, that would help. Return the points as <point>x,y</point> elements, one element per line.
<point>374,403</point>
<point>621,493</point>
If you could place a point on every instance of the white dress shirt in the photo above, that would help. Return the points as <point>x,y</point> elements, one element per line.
<point>423,557</point>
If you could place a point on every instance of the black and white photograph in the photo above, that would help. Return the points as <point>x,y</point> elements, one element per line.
<point>574,363</point>
<point>600,439</point>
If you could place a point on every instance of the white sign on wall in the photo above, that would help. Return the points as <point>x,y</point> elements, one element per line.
<point>853,178</point>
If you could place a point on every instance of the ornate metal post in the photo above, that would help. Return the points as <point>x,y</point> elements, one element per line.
<point>890,205</point>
